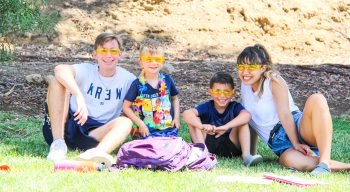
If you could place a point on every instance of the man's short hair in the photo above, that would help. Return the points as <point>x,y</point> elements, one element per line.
<point>102,38</point>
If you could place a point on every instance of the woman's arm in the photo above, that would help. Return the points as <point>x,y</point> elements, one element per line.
<point>279,91</point>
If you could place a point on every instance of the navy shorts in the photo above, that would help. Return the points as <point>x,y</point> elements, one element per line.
<point>76,136</point>
<point>222,146</point>
<point>281,142</point>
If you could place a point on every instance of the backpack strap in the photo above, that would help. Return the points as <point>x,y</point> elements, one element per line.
<point>205,160</point>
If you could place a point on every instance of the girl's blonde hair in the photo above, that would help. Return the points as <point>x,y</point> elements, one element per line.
<point>258,54</point>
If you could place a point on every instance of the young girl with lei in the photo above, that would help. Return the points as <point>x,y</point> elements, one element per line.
<point>302,140</point>
<point>152,102</point>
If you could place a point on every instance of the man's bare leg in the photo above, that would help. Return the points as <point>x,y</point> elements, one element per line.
<point>58,103</point>
<point>111,135</point>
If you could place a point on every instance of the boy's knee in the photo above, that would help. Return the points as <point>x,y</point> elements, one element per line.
<point>186,112</point>
<point>240,128</point>
<point>53,82</point>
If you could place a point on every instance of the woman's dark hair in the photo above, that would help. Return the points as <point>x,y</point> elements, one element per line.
<point>258,54</point>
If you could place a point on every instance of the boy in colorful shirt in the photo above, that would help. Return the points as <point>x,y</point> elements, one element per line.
<point>152,102</point>
<point>222,124</point>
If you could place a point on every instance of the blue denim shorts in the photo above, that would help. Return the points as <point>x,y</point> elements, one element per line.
<point>281,142</point>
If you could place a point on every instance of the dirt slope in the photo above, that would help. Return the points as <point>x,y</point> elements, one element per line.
<point>295,31</point>
<point>203,36</point>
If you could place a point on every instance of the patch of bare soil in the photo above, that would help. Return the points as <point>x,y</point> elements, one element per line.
<point>201,38</point>
<point>191,77</point>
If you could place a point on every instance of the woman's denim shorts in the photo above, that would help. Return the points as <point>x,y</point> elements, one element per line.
<point>281,142</point>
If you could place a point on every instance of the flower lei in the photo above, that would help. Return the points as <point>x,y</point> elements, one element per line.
<point>139,101</point>
<point>161,82</point>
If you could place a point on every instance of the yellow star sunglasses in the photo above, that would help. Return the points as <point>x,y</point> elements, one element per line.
<point>248,67</point>
<point>105,51</point>
<point>148,59</point>
<point>218,92</point>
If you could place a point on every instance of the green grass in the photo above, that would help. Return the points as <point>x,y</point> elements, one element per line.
<point>6,52</point>
<point>23,148</point>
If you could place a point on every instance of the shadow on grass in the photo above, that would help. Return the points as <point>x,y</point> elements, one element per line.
<point>21,136</point>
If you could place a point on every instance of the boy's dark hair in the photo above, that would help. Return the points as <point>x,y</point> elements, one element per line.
<point>105,37</point>
<point>222,78</point>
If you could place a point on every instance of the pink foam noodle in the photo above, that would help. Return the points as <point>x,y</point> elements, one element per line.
<point>72,165</point>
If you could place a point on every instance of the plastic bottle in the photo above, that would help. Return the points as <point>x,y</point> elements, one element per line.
<point>80,166</point>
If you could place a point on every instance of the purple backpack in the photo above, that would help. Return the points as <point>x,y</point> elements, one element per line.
<point>165,153</point>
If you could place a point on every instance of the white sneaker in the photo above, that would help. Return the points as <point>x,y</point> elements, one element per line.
<point>58,150</point>
<point>97,156</point>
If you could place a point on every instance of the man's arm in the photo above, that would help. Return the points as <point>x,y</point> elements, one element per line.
<point>65,74</point>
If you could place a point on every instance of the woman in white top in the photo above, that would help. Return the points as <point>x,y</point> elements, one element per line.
<point>302,140</point>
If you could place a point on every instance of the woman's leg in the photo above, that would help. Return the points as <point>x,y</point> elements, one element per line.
<point>295,159</point>
<point>316,129</point>
<point>316,126</point>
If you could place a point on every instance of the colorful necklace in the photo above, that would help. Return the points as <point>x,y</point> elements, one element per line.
<point>161,83</point>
